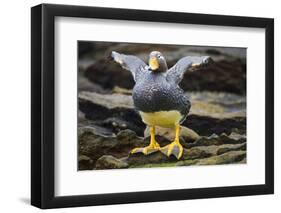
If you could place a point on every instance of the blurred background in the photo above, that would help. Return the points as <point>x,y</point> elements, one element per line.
<point>109,127</point>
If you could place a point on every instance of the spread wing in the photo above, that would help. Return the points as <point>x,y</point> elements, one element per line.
<point>175,73</point>
<point>131,63</point>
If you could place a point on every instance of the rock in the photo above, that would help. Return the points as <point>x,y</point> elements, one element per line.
<point>229,157</point>
<point>135,160</point>
<point>205,109</point>
<point>85,163</point>
<point>127,136</point>
<point>216,78</point>
<point>110,162</point>
<point>244,160</point>
<point>233,138</point>
<point>85,47</point>
<point>193,156</point>
<point>109,74</point>
<point>195,153</point>
<point>116,124</point>
<point>112,111</point>
<point>217,140</point>
<point>210,150</point>
<point>217,113</point>
<point>84,63</point>
<point>226,158</point>
<point>231,147</point>
<point>108,100</point>
<point>94,144</point>
<point>187,134</point>
<point>81,116</point>
<point>121,90</point>
<point>229,101</point>
<point>97,150</point>
<point>207,125</point>
<point>237,136</point>
<point>95,130</point>
<point>85,85</point>
<point>221,149</point>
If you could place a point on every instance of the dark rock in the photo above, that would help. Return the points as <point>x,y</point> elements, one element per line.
<point>112,111</point>
<point>206,125</point>
<point>108,101</point>
<point>127,136</point>
<point>85,85</point>
<point>193,156</point>
<point>109,74</point>
<point>217,140</point>
<point>95,147</point>
<point>221,76</point>
<point>221,149</point>
<point>85,47</point>
<point>135,160</point>
<point>217,113</point>
<point>228,101</point>
<point>229,147</point>
<point>110,162</point>
<point>138,159</point>
<point>244,160</point>
<point>93,143</point>
<point>85,163</point>
<point>126,141</point>
<point>95,130</point>
<point>81,116</point>
<point>121,90</point>
<point>213,52</point>
<point>226,158</point>
<point>195,153</point>
<point>229,157</point>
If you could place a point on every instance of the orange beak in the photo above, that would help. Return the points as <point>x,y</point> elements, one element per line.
<point>153,63</point>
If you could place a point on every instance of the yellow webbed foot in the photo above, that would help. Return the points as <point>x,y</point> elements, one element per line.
<point>152,147</point>
<point>174,148</point>
<point>147,150</point>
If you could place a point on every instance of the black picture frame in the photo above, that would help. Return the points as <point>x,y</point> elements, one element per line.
<point>43,102</point>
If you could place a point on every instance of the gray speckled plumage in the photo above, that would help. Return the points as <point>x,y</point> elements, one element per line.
<point>153,93</point>
<point>158,90</point>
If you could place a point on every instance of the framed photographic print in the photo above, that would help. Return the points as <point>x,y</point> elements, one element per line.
<point>140,106</point>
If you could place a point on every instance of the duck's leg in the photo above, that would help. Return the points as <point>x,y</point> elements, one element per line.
<point>174,148</point>
<point>152,147</point>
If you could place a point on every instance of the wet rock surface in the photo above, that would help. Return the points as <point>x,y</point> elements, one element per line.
<point>100,151</point>
<point>109,127</point>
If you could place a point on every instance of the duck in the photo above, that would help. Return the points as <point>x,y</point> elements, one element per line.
<point>158,97</point>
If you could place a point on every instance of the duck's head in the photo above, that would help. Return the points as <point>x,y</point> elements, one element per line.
<point>157,62</point>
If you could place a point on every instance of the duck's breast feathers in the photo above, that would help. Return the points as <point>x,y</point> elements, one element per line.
<point>154,94</point>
